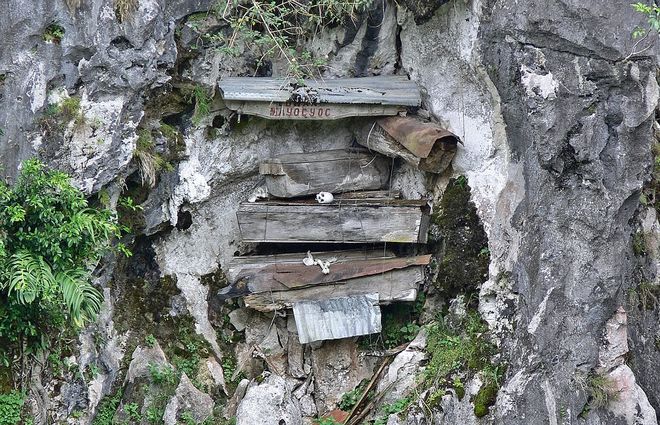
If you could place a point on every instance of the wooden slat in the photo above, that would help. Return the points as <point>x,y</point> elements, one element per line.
<point>283,276</point>
<point>382,90</point>
<point>255,262</point>
<point>325,111</point>
<point>393,286</point>
<point>334,171</point>
<point>358,222</point>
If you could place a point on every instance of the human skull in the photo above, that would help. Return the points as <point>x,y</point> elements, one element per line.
<point>324,197</point>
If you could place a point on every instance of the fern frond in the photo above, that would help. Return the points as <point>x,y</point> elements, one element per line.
<point>29,275</point>
<point>83,301</point>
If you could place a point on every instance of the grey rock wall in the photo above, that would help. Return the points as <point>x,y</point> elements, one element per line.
<point>557,130</point>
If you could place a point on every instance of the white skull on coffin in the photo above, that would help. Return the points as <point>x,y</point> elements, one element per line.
<point>324,197</point>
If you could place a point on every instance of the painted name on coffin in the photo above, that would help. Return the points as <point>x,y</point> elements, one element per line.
<point>311,111</point>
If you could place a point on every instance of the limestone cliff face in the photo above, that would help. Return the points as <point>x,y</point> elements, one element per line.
<point>557,130</point>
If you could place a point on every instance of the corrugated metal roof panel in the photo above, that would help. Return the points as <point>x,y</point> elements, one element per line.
<point>384,90</point>
<point>337,318</point>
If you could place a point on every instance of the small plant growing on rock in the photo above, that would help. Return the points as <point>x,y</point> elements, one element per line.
<point>601,389</point>
<point>149,162</point>
<point>53,33</point>
<point>125,8</point>
<point>275,29</point>
<point>11,405</point>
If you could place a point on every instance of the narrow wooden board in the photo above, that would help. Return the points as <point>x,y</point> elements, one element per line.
<point>333,171</point>
<point>256,262</point>
<point>286,111</point>
<point>284,276</point>
<point>355,222</point>
<point>381,90</point>
<point>395,286</point>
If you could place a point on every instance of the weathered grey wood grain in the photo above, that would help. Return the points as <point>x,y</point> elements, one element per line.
<point>283,111</point>
<point>256,277</point>
<point>334,171</point>
<point>257,262</point>
<point>395,286</point>
<point>381,90</point>
<point>355,222</point>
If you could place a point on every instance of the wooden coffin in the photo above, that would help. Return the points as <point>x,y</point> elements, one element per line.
<point>284,99</point>
<point>334,171</point>
<point>342,221</point>
<point>425,145</point>
<point>272,282</point>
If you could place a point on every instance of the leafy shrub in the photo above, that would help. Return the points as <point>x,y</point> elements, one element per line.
<point>11,405</point>
<point>54,33</point>
<point>50,242</point>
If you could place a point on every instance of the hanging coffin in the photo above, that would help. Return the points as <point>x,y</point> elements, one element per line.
<point>332,171</point>
<point>284,99</point>
<point>355,221</point>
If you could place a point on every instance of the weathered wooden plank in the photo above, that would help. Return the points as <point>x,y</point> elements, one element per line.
<point>337,222</point>
<point>284,276</point>
<point>325,111</point>
<point>334,171</point>
<point>381,90</point>
<point>395,286</point>
<point>257,262</point>
<point>337,318</point>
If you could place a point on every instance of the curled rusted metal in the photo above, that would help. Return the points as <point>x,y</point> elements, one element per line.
<point>433,145</point>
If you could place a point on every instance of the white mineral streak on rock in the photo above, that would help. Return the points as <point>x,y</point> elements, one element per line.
<point>269,403</point>
<point>550,402</point>
<point>543,85</point>
<point>540,312</point>
<point>36,87</point>
<point>630,401</point>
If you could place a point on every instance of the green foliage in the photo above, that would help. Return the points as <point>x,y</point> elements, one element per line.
<point>149,162</point>
<point>467,350</point>
<point>162,374</point>
<point>133,411</point>
<point>11,405</point>
<point>107,409</point>
<point>50,241</point>
<point>53,33</point>
<point>188,418</point>
<point>276,29</point>
<point>326,421</point>
<point>652,12</point>
<point>155,415</point>
<point>57,116</point>
<point>602,390</point>
<point>202,104</point>
<point>150,341</point>
<point>639,244</point>
<point>350,398</point>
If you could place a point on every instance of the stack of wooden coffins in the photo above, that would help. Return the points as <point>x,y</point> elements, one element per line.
<point>336,197</point>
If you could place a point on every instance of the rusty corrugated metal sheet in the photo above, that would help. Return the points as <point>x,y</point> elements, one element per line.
<point>385,90</point>
<point>435,145</point>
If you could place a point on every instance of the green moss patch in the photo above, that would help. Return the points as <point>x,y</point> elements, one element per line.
<point>459,242</point>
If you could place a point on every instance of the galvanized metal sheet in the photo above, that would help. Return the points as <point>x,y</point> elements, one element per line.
<point>337,318</point>
<point>382,90</point>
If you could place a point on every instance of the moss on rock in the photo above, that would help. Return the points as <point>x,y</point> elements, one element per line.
<point>459,241</point>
